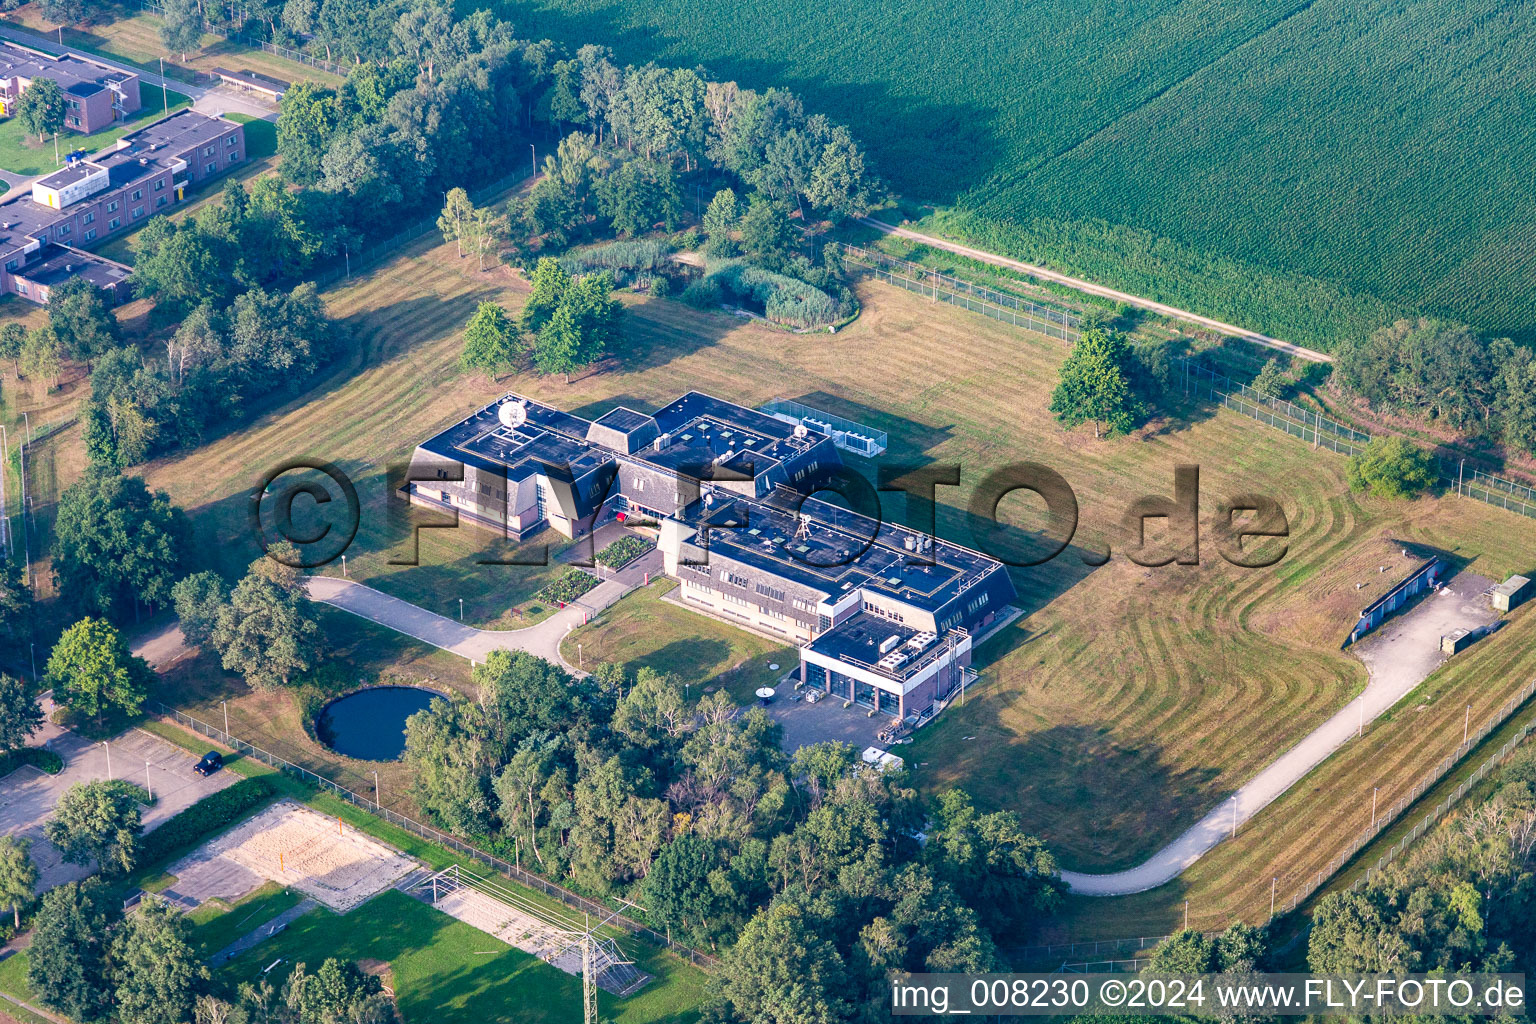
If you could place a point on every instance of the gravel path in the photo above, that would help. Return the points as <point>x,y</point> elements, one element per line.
<point>1298,351</point>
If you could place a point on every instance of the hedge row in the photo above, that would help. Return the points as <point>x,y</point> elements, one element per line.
<point>37,757</point>
<point>208,815</point>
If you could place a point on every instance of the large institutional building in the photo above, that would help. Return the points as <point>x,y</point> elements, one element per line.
<point>95,94</point>
<point>44,232</point>
<point>884,616</point>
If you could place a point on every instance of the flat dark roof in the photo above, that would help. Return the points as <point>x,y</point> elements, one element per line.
<point>58,264</point>
<point>837,551</point>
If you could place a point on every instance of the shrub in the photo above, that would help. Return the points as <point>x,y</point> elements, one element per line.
<point>37,757</point>
<point>202,819</point>
<point>1392,467</point>
<point>661,287</point>
<point>623,551</point>
<point>702,294</point>
<point>568,586</point>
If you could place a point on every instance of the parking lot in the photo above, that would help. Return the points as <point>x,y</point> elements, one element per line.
<point>28,796</point>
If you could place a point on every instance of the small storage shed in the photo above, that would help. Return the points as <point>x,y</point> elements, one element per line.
<point>882,760</point>
<point>1457,641</point>
<point>1511,594</point>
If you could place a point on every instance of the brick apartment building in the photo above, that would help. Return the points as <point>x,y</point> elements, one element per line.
<point>93,199</point>
<point>884,616</point>
<point>95,95</point>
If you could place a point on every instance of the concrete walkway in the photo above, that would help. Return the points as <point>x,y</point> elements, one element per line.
<point>262,933</point>
<point>1399,656</point>
<point>542,640</point>
<point>1311,355</point>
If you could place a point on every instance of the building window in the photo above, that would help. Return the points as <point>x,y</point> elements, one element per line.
<point>115,224</point>
<point>234,157</point>
<point>770,592</point>
<point>63,230</point>
<point>88,217</point>
<point>112,206</point>
<point>231,141</point>
<point>159,184</point>
<point>21,286</point>
<point>90,234</point>
<point>208,151</point>
<point>212,168</point>
<point>138,211</point>
<point>138,193</point>
<point>160,201</point>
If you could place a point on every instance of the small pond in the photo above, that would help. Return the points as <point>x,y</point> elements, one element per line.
<point>370,724</point>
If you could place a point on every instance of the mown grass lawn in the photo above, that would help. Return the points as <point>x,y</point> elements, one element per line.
<point>445,972</point>
<point>644,631</point>
<point>218,923</point>
<point>13,978</point>
<point>20,153</point>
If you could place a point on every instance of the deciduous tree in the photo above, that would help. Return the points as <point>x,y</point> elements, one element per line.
<point>490,341</point>
<point>18,875</point>
<point>155,966</point>
<point>20,713</point>
<point>1392,467</point>
<point>82,318</point>
<point>1095,387</point>
<point>92,672</point>
<point>267,631</point>
<point>67,963</point>
<point>198,599</point>
<point>40,110</point>
<point>96,821</point>
<point>116,544</point>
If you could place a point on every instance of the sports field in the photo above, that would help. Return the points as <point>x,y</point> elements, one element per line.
<point>1304,168</point>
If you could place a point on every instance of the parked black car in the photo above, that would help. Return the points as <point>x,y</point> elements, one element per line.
<point>211,762</point>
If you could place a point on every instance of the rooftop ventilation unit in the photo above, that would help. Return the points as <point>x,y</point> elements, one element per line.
<point>890,643</point>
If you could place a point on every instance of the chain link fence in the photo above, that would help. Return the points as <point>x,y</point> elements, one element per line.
<point>506,868</point>
<point>253,41</point>
<point>1053,323</point>
<point>1321,432</point>
<point>1399,807</point>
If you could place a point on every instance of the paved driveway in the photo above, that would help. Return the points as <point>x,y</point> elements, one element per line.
<point>1400,655</point>
<point>28,796</point>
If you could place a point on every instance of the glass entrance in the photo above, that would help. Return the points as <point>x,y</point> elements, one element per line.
<point>890,704</point>
<point>863,694</point>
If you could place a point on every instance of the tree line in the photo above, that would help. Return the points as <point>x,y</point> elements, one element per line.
<point>807,872</point>
<point>1446,375</point>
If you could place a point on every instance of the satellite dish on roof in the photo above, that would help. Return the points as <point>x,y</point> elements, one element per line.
<point>801,430</point>
<point>512,414</point>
